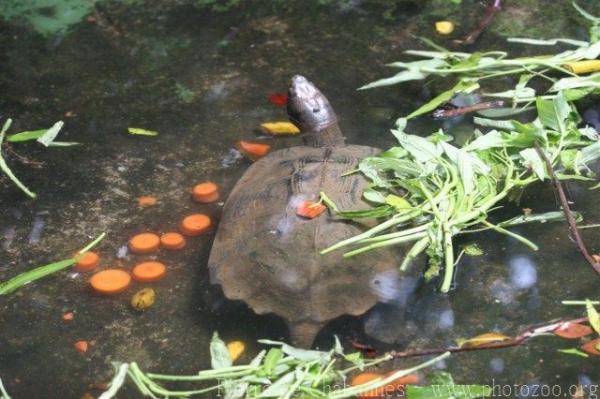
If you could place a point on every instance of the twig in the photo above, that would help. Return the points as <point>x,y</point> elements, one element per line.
<point>23,159</point>
<point>484,23</point>
<point>516,341</point>
<point>567,210</point>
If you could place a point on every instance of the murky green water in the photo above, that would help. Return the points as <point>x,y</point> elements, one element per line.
<point>201,79</point>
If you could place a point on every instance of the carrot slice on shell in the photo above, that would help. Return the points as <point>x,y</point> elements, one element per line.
<point>148,272</point>
<point>592,347</point>
<point>87,262</point>
<point>144,243</point>
<point>110,281</point>
<point>253,151</point>
<point>310,210</point>
<point>194,225</point>
<point>573,330</point>
<point>172,240</point>
<point>205,192</point>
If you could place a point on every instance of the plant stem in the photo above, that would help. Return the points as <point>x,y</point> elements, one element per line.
<point>4,167</point>
<point>517,237</point>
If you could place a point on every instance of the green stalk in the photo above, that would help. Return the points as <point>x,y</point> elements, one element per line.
<point>579,303</point>
<point>382,244</point>
<point>4,167</point>
<point>5,394</point>
<point>416,249</point>
<point>449,259</point>
<point>509,233</point>
<point>22,279</point>
<point>397,234</point>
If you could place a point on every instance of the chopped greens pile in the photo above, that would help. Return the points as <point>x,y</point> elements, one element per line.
<point>284,372</point>
<point>429,190</point>
<point>468,70</point>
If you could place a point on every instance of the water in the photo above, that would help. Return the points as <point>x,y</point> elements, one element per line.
<point>201,79</point>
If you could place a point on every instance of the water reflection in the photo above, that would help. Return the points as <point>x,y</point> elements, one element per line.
<point>522,272</point>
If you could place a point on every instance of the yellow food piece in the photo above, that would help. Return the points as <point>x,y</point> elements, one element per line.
<point>235,348</point>
<point>277,128</point>
<point>444,27</point>
<point>143,299</point>
<point>483,339</point>
<point>586,66</point>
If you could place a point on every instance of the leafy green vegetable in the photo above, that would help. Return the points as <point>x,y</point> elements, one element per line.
<point>282,372</point>
<point>446,190</point>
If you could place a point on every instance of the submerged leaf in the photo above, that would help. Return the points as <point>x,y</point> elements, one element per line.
<point>573,351</point>
<point>142,132</point>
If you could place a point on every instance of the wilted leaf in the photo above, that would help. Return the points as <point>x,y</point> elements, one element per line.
<point>483,339</point>
<point>279,128</point>
<point>218,353</point>
<point>473,250</point>
<point>592,347</point>
<point>573,330</point>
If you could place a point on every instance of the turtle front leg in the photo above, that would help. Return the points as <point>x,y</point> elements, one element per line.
<point>302,334</point>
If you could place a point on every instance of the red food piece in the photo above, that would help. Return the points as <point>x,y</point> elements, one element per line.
<point>279,99</point>
<point>310,210</point>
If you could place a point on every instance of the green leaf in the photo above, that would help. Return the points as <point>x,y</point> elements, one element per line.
<point>444,97</point>
<point>592,315</point>
<point>142,132</point>
<point>374,196</point>
<point>573,351</point>
<point>412,72</point>
<point>279,387</point>
<point>421,149</point>
<point>219,355</point>
<point>26,136</point>
<point>532,160</point>
<point>274,355</point>
<point>553,113</point>
<point>473,250</point>
<point>397,202</point>
<point>587,155</point>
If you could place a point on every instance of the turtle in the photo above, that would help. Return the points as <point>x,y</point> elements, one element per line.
<point>267,256</point>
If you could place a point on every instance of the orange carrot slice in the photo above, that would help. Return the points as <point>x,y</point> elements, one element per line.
<point>87,262</point>
<point>148,272</point>
<point>363,378</point>
<point>194,225</point>
<point>310,210</point>
<point>592,347</point>
<point>205,192</point>
<point>253,151</point>
<point>172,240</point>
<point>68,316</point>
<point>144,243</point>
<point>146,201</point>
<point>399,383</point>
<point>81,346</point>
<point>573,330</point>
<point>110,281</point>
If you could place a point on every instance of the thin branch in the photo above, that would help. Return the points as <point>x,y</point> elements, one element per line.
<point>516,341</point>
<point>567,210</point>
<point>483,24</point>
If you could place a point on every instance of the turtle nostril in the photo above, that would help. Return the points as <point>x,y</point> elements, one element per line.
<point>315,110</point>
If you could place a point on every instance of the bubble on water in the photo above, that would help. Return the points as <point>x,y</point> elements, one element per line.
<point>35,235</point>
<point>446,320</point>
<point>497,365</point>
<point>122,252</point>
<point>231,158</point>
<point>389,286</point>
<point>523,273</point>
<point>387,323</point>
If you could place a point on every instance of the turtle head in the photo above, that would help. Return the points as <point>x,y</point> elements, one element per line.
<point>308,107</point>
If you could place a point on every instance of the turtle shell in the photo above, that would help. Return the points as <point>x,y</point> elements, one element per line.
<point>267,256</point>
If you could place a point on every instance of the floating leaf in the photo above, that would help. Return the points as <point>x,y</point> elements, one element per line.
<point>592,347</point>
<point>483,339</point>
<point>573,351</point>
<point>572,330</point>
<point>142,132</point>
